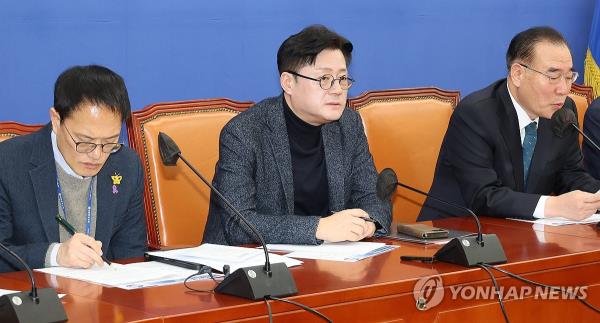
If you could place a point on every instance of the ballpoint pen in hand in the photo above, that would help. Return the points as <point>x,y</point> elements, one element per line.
<point>62,221</point>
<point>368,219</point>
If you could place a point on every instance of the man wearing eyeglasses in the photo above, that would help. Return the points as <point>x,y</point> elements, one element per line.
<point>297,166</point>
<point>502,154</point>
<point>73,170</point>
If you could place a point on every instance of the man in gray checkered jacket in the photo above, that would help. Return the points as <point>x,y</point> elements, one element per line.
<point>298,166</point>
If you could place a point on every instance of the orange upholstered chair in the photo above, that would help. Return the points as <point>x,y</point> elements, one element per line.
<point>405,129</point>
<point>9,129</point>
<point>176,200</point>
<point>583,96</point>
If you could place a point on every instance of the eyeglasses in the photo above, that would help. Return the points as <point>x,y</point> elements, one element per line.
<point>555,78</point>
<point>326,81</point>
<point>88,147</point>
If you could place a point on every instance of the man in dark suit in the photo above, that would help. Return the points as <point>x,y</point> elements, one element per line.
<point>500,155</point>
<point>74,167</point>
<point>298,166</point>
<point>591,127</point>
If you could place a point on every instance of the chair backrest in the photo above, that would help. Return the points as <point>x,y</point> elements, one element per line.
<point>583,96</point>
<point>10,129</point>
<point>176,200</point>
<point>405,129</point>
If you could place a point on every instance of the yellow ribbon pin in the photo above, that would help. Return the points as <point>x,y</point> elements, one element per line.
<point>116,178</point>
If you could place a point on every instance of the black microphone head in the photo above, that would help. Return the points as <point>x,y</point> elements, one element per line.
<point>169,152</point>
<point>386,184</point>
<point>562,120</point>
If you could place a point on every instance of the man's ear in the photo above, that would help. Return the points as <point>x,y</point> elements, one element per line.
<point>54,119</point>
<point>516,74</point>
<point>287,82</point>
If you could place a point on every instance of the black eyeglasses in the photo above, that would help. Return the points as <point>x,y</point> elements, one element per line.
<point>326,81</point>
<point>88,147</point>
<point>555,78</point>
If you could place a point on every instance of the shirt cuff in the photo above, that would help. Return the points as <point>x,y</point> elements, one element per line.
<point>54,254</point>
<point>540,209</point>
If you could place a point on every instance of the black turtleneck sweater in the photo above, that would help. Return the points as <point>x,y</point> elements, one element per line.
<point>311,190</point>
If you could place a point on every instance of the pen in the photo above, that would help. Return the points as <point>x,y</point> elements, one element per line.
<point>368,219</point>
<point>417,258</point>
<point>71,230</point>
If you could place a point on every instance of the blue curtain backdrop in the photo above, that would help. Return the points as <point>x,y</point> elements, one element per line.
<point>187,49</point>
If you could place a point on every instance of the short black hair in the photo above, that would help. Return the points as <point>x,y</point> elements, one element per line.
<point>302,48</point>
<point>93,84</point>
<point>522,45</point>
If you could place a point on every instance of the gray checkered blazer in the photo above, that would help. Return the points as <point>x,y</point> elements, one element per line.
<point>254,172</point>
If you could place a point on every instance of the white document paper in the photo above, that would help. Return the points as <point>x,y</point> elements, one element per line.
<point>177,276</point>
<point>114,275</point>
<point>337,251</point>
<point>562,221</point>
<point>216,256</point>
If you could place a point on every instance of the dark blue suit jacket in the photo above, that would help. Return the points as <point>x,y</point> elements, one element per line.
<point>29,202</point>
<point>481,160</point>
<point>591,127</point>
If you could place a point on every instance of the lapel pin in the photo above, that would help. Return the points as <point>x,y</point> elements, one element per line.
<point>116,179</point>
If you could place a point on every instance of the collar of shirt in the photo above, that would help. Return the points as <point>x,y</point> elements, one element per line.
<point>522,116</point>
<point>60,160</point>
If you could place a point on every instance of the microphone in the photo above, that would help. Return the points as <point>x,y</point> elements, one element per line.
<point>249,282</point>
<point>464,251</point>
<point>563,119</point>
<point>38,306</point>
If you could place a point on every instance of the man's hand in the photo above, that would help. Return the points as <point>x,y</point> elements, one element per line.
<point>347,225</point>
<point>81,251</point>
<point>575,205</point>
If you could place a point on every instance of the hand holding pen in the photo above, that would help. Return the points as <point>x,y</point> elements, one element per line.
<point>79,251</point>
<point>365,218</point>
<point>346,225</point>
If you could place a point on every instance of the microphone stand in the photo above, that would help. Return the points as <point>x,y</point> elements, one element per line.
<point>479,235</point>
<point>248,282</point>
<point>464,251</point>
<point>267,267</point>
<point>37,306</point>
<point>585,136</point>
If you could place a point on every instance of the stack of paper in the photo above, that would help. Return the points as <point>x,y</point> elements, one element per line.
<point>337,251</point>
<point>151,273</point>
<point>558,221</point>
<point>216,256</point>
<point>177,275</point>
<point>130,276</point>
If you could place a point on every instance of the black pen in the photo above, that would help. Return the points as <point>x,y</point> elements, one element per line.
<point>368,219</point>
<point>71,230</point>
<point>417,258</point>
